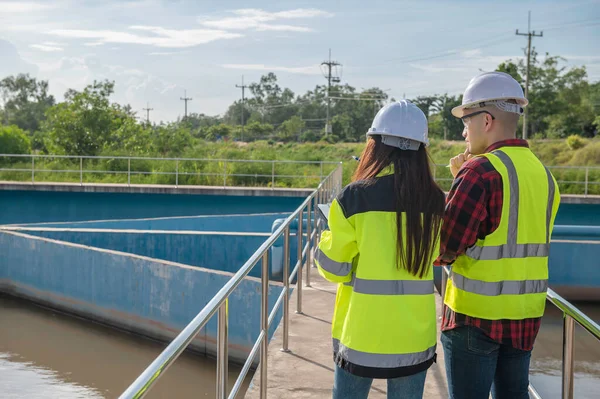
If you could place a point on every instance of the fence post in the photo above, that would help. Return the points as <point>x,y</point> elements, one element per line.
<point>587,170</point>
<point>264,321</point>
<point>299,274</point>
<point>224,173</point>
<point>567,365</point>
<point>81,171</point>
<point>308,242</point>
<point>321,173</point>
<point>32,169</point>
<point>272,175</point>
<point>222,355</point>
<point>128,171</point>
<point>286,287</point>
<point>176,172</point>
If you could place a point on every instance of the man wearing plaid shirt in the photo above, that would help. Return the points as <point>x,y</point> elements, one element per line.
<point>496,291</point>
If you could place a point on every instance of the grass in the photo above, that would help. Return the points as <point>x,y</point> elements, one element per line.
<point>211,171</point>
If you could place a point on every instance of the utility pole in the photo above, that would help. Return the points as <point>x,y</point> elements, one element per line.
<point>186,99</point>
<point>148,109</point>
<point>243,87</point>
<point>330,78</point>
<point>529,35</point>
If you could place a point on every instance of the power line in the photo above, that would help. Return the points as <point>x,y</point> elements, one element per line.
<point>148,109</point>
<point>243,87</point>
<point>529,35</point>
<point>185,98</point>
<point>330,78</point>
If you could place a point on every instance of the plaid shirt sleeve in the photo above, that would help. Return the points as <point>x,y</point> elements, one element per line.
<point>465,211</point>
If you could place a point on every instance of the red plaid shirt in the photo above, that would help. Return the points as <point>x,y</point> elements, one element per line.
<point>473,210</point>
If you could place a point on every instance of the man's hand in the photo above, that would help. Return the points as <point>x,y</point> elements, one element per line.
<point>457,162</point>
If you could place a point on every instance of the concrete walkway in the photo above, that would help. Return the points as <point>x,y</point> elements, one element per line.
<point>307,371</point>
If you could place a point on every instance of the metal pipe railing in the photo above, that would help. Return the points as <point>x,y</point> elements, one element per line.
<point>219,303</point>
<point>571,314</point>
<point>583,186</point>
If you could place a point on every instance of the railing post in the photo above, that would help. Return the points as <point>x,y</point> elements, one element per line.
<point>81,171</point>
<point>224,173</point>
<point>264,321</point>
<point>321,173</point>
<point>444,282</point>
<point>222,355</point>
<point>308,241</point>
<point>286,287</point>
<point>176,172</point>
<point>587,170</point>
<point>272,175</point>
<point>32,169</point>
<point>567,364</point>
<point>299,274</point>
<point>129,171</point>
<point>315,240</point>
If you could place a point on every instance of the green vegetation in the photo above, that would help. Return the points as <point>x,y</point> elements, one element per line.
<point>279,125</point>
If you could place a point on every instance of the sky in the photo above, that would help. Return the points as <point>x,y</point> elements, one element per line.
<point>157,50</point>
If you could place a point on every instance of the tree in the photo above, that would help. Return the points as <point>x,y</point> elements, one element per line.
<point>291,129</point>
<point>25,101</point>
<point>170,139</point>
<point>86,122</point>
<point>14,140</point>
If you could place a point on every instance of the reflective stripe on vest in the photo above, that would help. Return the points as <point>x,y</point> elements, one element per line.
<point>391,287</point>
<point>382,360</point>
<point>511,249</point>
<point>331,266</point>
<point>509,287</point>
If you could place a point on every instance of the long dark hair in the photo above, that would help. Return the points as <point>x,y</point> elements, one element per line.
<point>418,199</point>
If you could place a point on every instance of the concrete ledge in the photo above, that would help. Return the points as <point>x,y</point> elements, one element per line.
<point>579,199</point>
<point>155,189</point>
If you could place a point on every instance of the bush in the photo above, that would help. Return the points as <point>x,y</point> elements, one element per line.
<point>575,142</point>
<point>13,140</point>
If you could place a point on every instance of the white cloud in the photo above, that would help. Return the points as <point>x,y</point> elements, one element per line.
<point>93,44</point>
<point>161,37</point>
<point>307,70</point>
<point>472,53</point>
<point>47,48</point>
<point>261,20</point>
<point>23,6</point>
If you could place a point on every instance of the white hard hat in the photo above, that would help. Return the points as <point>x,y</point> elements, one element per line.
<point>401,124</point>
<point>492,88</point>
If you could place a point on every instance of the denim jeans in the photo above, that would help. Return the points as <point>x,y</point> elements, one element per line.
<point>475,364</point>
<point>350,386</point>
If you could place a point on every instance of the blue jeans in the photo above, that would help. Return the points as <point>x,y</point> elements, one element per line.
<point>475,364</point>
<point>350,386</point>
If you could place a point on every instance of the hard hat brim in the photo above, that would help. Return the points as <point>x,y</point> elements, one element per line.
<point>376,133</point>
<point>460,110</point>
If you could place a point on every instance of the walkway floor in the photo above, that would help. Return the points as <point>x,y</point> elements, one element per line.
<point>307,371</point>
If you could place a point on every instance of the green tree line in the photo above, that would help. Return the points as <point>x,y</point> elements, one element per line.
<point>563,103</point>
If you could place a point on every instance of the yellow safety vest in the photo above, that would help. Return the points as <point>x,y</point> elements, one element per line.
<point>384,323</point>
<point>505,275</point>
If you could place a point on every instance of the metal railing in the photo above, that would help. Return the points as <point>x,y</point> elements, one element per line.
<point>219,169</point>
<point>327,189</point>
<point>571,315</point>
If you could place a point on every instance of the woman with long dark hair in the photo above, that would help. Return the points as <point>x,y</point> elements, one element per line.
<point>383,237</point>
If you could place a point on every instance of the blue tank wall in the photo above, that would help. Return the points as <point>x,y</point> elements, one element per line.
<point>51,206</point>
<point>578,214</point>
<point>142,295</point>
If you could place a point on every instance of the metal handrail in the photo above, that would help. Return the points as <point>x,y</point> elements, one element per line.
<point>326,190</point>
<point>571,314</point>
<point>586,183</point>
<point>176,172</point>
